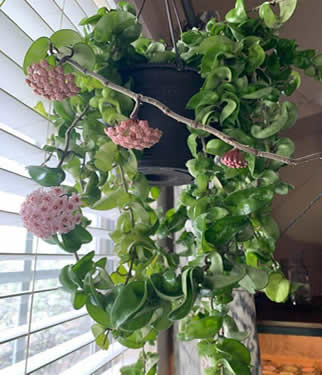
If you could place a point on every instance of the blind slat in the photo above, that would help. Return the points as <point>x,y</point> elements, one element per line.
<point>40,360</point>
<point>14,219</point>
<point>22,330</point>
<point>88,6</point>
<point>12,80</point>
<point>72,10</point>
<point>22,118</point>
<point>16,42</point>
<point>51,13</point>
<point>20,151</point>
<point>96,361</point>
<point>20,277</point>
<point>26,17</point>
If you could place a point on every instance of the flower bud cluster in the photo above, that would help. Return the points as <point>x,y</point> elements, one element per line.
<point>45,213</point>
<point>51,82</point>
<point>135,134</point>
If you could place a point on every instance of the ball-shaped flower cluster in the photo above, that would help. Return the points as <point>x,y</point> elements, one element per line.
<point>51,82</point>
<point>234,159</point>
<point>45,213</point>
<point>135,134</point>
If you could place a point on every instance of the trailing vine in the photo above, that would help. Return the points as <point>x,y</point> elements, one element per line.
<point>236,150</point>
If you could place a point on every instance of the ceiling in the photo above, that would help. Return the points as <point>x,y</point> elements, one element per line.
<point>305,27</point>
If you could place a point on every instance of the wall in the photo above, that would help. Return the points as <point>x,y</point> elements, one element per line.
<point>306,235</point>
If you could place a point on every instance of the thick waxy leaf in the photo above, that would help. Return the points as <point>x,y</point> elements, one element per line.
<point>202,328</point>
<point>64,278</point>
<point>255,279</point>
<point>231,330</point>
<point>226,278</point>
<point>190,279</point>
<point>65,38</point>
<point>246,201</point>
<point>104,157</point>
<point>238,14</point>
<point>99,315</point>
<point>217,147</point>
<point>269,17</point>
<point>36,52</point>
<point>114,199</point>
<point>101,336</point>
<point>130,300</point>
<point>84,265</point>
<point>167,286</point>
<point>287,8</point>
<point>234,349</point>
<point>46,176</point>
<point>84,55</point>
<point>278,287</point>
<point>79,299</point>
<point>192,143</point>
<point>223,230</point>
<point>138,338</point>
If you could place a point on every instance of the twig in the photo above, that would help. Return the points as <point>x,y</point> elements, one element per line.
<point>67,135</point>
<point>193,124</point>
<point>136,109</point>
<point>76,256</point>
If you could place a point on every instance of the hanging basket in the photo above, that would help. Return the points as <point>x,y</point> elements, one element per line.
<point>165,163</point>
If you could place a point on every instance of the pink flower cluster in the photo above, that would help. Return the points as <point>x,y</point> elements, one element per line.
<point>51,82</point>
<point>45,213</point>
<point>135,134</point>
<point>234,159</point>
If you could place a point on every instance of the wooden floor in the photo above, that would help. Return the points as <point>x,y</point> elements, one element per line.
<point>291,355</point>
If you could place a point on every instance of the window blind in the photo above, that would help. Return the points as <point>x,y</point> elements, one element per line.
<point>40,333</point>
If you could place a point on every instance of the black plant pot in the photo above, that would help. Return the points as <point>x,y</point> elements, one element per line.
<point>165,163</point>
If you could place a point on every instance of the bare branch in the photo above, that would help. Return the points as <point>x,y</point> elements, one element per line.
<point>193,124</point>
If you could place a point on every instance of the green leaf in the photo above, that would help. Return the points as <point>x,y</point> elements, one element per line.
<point>223,230</point>
<point>65,38</point>
<point>259,94</point>
<point>99,315</point>
<point>46,176</point>
<point>101,337</point>
<point>39,107</point>
<point>113,23</point>
<point>228,110</point>
<point>238,14</point>
<point>167,286</point>
<point>105,156</point>
<point>130,300</point>
<point>79,299</point>
<point>84,55</point>
<point>255,279</point>
<point>190,279</point>
<point>64,278</point>
<point>103,280</point>
<point>217,147</point>
<point>234,349</point>
<point>138,338</point>
<point>244,202</point>
<point>278,287</point>
<point>155,192</point>
<point>203,328</point>
<point>231,330</point>
<point>192,144</point>
<point>127,7</point>
<point>266,13</point>
<point>256,57</point>
<point>82,234</point>
<point>65,110</point>
<point>36,52</point>
<point>227,278</point>
<point>117,198</point>
<point>287,8</point>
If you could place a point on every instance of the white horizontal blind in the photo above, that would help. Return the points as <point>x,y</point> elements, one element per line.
<point>40,333</point>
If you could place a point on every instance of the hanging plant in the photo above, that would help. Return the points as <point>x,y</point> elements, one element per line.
<point>236,153</point>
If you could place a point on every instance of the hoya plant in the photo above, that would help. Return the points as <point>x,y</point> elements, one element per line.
<point>248,72</point>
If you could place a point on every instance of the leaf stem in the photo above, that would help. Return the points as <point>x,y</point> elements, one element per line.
<point>68,134</point>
